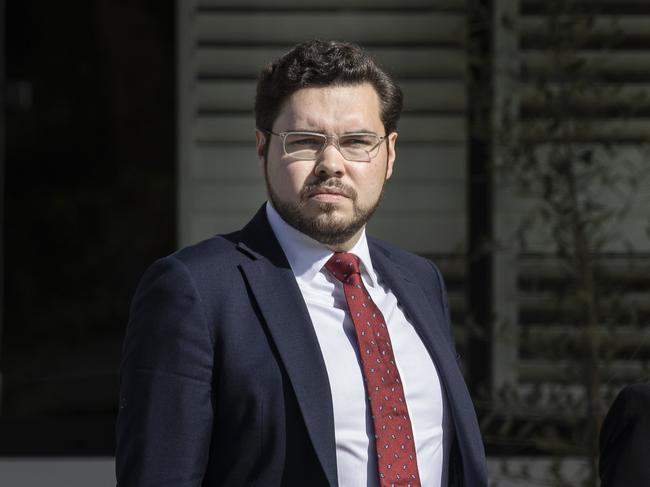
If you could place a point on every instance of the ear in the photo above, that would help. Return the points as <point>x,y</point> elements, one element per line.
<point>391,140</point>
<point>260,144</point>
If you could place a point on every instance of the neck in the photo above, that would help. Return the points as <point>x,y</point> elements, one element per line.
<point>348,244</point>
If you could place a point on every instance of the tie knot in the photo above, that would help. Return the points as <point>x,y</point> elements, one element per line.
<point>343,265</point>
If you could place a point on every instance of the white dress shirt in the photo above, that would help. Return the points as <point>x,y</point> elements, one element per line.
<point>325,299</point>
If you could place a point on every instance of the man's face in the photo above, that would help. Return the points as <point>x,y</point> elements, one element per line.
<point>329,199</point>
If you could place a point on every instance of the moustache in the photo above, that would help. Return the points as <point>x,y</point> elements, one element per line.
<point>332,183</point>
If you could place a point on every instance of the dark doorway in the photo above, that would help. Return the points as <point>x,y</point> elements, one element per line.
<point>89,202</point>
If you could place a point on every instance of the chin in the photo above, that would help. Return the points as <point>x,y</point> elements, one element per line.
<point>330,223</point>
<point>332,218</point>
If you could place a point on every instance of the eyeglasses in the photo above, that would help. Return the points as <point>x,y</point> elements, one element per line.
<point>308,146</point>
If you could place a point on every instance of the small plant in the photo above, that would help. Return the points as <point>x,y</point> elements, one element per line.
<point>576,162</point>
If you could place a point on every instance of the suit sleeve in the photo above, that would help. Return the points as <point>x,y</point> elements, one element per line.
<point>165,414</point>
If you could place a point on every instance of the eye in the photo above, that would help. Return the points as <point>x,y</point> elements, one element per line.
<point>295,142</point>
<point>358,141</point>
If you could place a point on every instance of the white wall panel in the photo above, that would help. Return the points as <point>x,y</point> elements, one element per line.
<point>362,27</point>
<point>331,4</point>
<point>418,62</point>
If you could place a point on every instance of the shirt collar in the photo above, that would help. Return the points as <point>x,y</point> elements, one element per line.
<point>307,256</point>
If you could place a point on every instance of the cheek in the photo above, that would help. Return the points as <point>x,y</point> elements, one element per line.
<point>289,180</point>
<point>373,181</point>
<point>372,191</point>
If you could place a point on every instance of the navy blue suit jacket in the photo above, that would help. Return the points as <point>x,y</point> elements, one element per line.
<point>223,382</point>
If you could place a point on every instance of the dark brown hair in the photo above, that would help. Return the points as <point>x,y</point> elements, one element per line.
<point>319,64</point>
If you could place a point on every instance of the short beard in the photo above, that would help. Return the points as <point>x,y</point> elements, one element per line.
<point>325,227</point>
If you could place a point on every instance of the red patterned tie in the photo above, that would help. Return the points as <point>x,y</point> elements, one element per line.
<point>396,460</point>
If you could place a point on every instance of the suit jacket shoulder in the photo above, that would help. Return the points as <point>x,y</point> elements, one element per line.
<point>219,364</point>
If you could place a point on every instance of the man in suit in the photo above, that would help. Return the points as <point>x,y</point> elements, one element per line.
<point>297,351</point>
<point>625,439</point>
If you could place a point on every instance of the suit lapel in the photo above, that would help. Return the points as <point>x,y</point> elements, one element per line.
<point>427,315</point>
<point>278,296</point>
<point>423,312</point>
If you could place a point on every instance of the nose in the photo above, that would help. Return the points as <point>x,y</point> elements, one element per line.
<point>330,161</point>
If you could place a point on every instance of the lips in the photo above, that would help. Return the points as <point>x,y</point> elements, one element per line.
<point>328,191</point>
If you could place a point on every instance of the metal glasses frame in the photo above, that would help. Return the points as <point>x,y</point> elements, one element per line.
<point>335,141</point>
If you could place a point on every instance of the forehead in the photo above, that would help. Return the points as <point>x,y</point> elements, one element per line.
<point>333,109</point>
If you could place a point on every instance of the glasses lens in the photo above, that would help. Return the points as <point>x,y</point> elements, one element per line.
<point>358,147</point>
<point>303,146</point>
